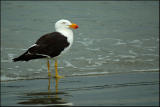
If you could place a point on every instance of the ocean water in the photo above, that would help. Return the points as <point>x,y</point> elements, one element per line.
<point>113,37</point>
<point>114,59</point>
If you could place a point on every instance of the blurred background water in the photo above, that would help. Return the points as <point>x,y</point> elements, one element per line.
<point>113,37</point>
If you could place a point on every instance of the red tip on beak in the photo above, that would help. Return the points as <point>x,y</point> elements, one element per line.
<point>74,26</point>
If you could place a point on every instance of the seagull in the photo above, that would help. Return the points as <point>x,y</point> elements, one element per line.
<point>51,45</point>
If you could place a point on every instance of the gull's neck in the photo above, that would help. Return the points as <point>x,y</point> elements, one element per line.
<point>67,33</point>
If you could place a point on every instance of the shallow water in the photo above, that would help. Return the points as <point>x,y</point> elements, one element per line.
<point>127,89</point>
<point>113,37</point>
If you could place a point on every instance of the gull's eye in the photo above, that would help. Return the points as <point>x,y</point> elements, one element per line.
<point>63,22</point>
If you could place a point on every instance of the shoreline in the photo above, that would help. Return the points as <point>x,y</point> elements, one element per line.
<point>120,89</point>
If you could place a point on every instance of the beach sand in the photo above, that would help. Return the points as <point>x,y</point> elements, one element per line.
<point>95,90</point>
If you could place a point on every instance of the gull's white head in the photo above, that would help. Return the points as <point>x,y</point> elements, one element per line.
<point>65,24</point>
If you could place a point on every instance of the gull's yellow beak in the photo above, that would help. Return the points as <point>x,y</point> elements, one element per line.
<point>74,26</point>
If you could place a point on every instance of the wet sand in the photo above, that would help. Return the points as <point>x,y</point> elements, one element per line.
<point>109,90</point>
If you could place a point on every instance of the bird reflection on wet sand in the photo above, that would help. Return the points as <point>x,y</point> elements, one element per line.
<point>46,98</point>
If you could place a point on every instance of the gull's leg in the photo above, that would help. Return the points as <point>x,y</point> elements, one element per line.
<point>49,85</point>
<point>48,65</point>
<point>56,87</point>
<point>56,71</point>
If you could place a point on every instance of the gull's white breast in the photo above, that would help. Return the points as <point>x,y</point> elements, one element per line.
<point>69,34</point>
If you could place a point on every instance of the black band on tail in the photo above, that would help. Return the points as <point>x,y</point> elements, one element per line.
<point>27,57</point>
<point>15,59</point>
